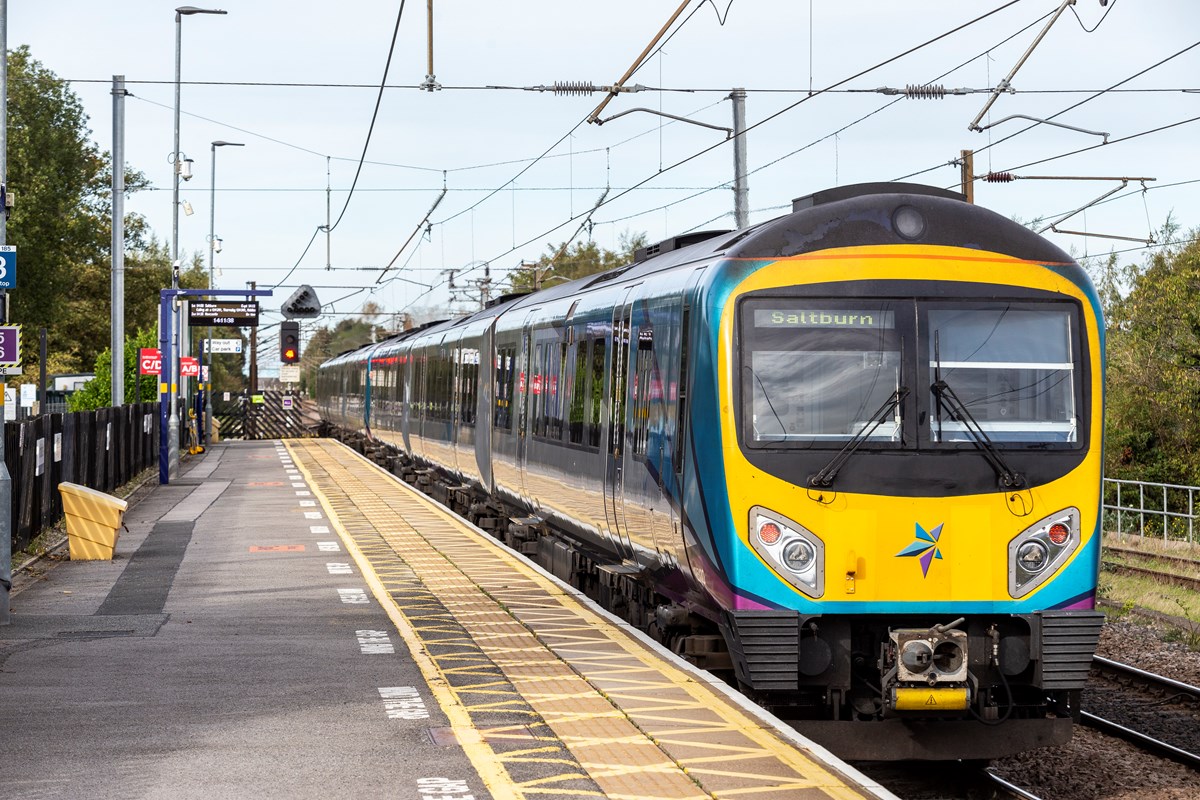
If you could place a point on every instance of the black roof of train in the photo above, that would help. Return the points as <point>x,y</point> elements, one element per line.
<point>844,216</point>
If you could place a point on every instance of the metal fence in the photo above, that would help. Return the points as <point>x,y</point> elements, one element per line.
<point>1163,510</point>
<point>100,449</point>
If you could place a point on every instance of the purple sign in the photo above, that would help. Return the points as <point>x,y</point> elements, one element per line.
<point>10,345</point>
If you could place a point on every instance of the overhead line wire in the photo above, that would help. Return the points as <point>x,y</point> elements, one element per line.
<point>1109,143</point>
<point>826,137</point>
<point>374,116</point>
<point>1072,107</point>
<point>540,89</point>
<point>758,124</point>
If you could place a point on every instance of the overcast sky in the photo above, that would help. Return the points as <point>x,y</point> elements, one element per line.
<point>661,177</point>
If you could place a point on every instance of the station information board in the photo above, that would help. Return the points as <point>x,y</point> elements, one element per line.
<point>215,312</point>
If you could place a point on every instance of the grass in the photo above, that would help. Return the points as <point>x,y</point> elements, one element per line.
<point>1132,594</point>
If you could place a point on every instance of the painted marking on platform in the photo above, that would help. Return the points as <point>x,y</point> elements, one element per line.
<point>265,483</point>
<point>403,702</point>
<point>301,493</point>
<point>313,515</point>
<point>319,528</point>
<point>329,547</point>
<point>301,485</point>
<point>307,503</point>
<point>278,548</point>
<point>374,642</point>
<point>443,789</point>
<point>354,597</point>
<point>339,568</point>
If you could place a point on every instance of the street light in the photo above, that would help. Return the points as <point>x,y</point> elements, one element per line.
<point>213,249</point>
<point>180,13</point>
<point>173,422</point>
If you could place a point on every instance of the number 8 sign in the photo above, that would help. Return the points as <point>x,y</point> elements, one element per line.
<point>8,267</point>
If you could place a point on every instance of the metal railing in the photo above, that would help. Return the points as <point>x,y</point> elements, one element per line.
<point>1164,510</point>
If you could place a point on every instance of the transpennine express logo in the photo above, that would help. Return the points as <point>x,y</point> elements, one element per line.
<point>925,548</point>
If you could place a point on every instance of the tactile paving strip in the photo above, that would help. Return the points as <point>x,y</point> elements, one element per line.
<point>523,656</point>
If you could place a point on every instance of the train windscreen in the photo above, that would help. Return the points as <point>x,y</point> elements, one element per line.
<point>821,372</point>
<point>1011,369</point>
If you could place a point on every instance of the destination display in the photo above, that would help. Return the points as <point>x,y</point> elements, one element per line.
<point>230,314</point>
<point>828,318</point>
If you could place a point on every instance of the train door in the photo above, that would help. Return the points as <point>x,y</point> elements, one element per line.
<point>524,393</point>
<point>485,407</point>
<point>404,395</point>
<point>679,427</point>
<point>618,387</point>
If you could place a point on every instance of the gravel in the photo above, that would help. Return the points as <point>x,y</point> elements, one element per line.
<point>1095,767</point>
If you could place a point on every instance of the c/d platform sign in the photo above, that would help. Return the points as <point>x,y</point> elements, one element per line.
<point>150,361</point>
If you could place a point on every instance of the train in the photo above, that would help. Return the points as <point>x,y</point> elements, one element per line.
<point>848,458</point>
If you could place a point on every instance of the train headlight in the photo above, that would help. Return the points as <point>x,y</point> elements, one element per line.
<point>794,552</point>
<point>908,223</point>
<point>1033,557</point>
<point>1040,549</point>
<point>799,556</point>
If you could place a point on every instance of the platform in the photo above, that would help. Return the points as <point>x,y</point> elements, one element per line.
<point>289,620</point>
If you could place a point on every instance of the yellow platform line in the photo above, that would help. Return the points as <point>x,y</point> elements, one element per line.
<point>569,627</point>
<point>629,775</point>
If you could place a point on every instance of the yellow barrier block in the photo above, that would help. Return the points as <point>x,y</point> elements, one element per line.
<point>93,520</point>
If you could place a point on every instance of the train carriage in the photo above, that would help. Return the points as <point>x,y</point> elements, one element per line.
<point>849,457</point>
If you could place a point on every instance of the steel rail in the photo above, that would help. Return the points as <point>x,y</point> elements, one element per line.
<point>1011,789</point>
<point>1149,680</point>
<point>1145,678</point>
<point>1165,577</point>
<point>1194,563</point>
<point>1147,743</point>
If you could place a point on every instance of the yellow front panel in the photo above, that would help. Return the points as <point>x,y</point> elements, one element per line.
<point>864,534</point>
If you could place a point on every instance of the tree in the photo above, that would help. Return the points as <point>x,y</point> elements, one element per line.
<point>61,225</point>
<point>348,334</point>
<point>1153,413</point>
<point>97,393</point>
<point>565,262</point>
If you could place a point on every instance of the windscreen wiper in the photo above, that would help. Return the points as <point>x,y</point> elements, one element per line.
<point>824,478</point>
<point>1009,478</point>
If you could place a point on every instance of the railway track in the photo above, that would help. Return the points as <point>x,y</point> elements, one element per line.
<point>1005,789</point>
<point>1169,577</point>
<point>945,780</point>
<point>1180,561</point>
<point>1166,706</point>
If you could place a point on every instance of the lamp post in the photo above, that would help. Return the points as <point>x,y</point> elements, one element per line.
<point>212,255</point>
<point>173,368</point>
<point>176,160</point>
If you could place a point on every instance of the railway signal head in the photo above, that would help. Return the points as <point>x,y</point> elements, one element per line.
<point>289,342</point>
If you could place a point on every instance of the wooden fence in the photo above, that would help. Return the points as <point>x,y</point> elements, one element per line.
<point>100,449</point>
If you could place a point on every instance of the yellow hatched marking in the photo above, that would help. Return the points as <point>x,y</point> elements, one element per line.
<point>463,571</point>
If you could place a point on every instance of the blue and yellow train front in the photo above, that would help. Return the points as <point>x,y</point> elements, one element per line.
<point>911,455</point>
